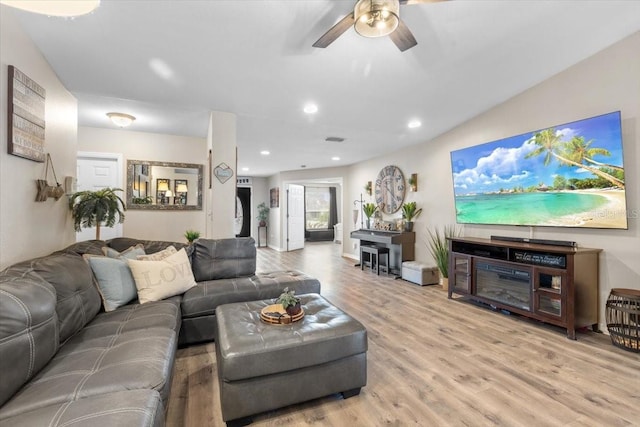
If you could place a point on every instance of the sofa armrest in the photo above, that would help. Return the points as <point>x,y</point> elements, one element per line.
<point>223,258</point>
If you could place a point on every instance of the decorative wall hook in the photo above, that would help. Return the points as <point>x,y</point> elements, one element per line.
<point>44,189</point>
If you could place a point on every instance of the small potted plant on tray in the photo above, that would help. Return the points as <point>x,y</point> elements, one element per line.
<point>290,302</point>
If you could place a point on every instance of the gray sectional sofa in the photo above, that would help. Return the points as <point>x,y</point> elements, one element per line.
<point>64,361</point>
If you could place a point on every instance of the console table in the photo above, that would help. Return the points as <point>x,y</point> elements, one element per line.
<point>554,284</point>
<point>401,245</point>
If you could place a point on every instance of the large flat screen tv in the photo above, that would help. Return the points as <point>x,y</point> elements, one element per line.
<point>569,175</point>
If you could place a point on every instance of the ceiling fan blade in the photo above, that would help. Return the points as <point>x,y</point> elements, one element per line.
<point>402,37</point>
<point>336,31</point>
<point>419,1</point>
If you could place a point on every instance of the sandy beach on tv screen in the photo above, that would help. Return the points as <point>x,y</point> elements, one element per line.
<point>611,215</point>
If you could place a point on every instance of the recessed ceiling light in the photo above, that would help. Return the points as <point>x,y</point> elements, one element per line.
<point>265,152</point>
<point>335,158</point>
<point>310,108</point>
<point>245,169</point>
<point>414,124</point>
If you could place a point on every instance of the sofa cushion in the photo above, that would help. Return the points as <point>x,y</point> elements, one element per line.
<point>131,408</point>
<point>93,247</point>
<point>133,360</point>
<point>28,330</point>
<point>158,256</point>
<point>131,252</point>
<point>132,317</point>
<point>78,300</point>
<point>157,280</point>
<point>223,258</point>
<point>150,246</point>
<point>115,282</point>
<point>203,299</point>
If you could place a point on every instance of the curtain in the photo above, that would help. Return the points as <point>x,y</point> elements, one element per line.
<point>333,208</point>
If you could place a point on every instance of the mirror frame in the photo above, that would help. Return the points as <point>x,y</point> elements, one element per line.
<point>130,180</point>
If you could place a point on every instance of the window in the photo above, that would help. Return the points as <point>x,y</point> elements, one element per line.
<point>317,205</point>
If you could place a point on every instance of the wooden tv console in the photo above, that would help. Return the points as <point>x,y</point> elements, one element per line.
<point>554,284</point>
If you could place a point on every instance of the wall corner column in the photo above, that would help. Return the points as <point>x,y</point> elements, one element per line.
<point>221,203</point>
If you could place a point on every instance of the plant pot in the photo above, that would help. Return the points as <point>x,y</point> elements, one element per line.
<point>368,224</point>
<point>408,226</point>
<point>262,223</point>
<point>444,281</point>
<point>292,310</point>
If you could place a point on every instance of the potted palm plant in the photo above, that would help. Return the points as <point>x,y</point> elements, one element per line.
<point>409,212</point>
<point>369,209</point>
<point>439,249</point>
<point>263,214</point>
<point>96,208</point>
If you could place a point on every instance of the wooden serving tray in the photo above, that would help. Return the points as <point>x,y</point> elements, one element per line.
<point>276,315</point>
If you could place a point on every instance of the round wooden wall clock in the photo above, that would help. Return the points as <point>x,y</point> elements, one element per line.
<point>390,189</point>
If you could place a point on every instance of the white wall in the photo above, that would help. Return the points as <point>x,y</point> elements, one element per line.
<point>608,81</point>
<point>143,224</point>
<point>28,228</point>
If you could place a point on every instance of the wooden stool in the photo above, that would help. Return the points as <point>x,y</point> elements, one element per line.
<point>377,251</point>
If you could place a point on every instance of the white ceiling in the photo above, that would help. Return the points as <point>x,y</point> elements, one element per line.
<point>171,62</point>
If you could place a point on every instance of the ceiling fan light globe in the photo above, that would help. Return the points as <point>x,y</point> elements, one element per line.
<point>376,18</point>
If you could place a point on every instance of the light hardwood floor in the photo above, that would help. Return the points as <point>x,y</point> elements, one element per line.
<point>435,362</point>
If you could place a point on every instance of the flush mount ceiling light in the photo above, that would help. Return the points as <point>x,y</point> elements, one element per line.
<point>64,8</point>
<point>376,18</point>
<point>120,119</point>
<point>414,124</point>
<point>310,108</point>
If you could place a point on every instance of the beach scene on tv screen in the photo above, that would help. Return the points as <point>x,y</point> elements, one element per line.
<point>569,175</point>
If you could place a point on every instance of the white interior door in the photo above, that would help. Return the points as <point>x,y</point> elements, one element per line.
<point>96,171</point>
<point>295,217</point>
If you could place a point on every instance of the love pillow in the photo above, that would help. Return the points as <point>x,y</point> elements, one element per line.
<point>157,280</point>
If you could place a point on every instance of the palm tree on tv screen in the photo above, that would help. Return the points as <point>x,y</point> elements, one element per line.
<point>550,144</point>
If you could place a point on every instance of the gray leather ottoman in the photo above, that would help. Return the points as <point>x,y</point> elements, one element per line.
<point>263,367</point>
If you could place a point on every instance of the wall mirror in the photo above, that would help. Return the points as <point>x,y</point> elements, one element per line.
<point>164,185</point>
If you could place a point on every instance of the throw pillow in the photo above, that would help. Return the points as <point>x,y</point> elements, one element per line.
<point>115,282</point>
<point>156,280</point>
<point>157,256</point>
<point>130,253</point>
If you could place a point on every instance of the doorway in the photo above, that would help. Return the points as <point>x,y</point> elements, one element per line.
<point>243,212</point>
<point>295,217</point>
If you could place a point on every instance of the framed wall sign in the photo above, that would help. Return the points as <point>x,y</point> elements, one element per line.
<point>274,197</point>
<point>25,130</point>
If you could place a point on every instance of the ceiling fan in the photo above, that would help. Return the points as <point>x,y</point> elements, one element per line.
<point>375,18</point>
